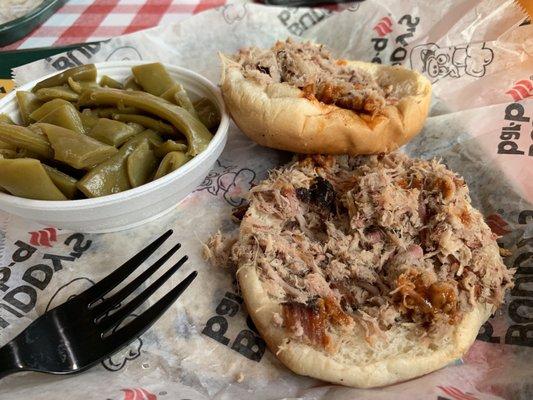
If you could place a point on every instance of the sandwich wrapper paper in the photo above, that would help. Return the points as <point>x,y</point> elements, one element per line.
<point>479,57</point>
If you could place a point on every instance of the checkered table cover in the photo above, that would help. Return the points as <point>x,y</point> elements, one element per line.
<point>90,20</point>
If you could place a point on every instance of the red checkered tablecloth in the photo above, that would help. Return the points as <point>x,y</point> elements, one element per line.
<point>89,20</point>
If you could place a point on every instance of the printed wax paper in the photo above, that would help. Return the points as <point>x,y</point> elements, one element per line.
<point>479,57</point>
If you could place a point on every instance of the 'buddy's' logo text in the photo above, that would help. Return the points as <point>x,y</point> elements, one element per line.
<point>21,299</point>
<point>399,53</point>
<point>515,120</point>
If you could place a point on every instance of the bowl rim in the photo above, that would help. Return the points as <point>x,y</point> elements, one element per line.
<point>219,136</point>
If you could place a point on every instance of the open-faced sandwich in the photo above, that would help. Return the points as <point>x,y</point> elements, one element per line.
<point>365,271</point>
<point>297,97</point>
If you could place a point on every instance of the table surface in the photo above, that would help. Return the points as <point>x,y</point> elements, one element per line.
<point>90,20</point>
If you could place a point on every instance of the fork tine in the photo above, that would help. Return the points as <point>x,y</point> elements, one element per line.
<point>140,324</point>
<point>123,293</point>
<point>116,318</point>
<point>116,277</point>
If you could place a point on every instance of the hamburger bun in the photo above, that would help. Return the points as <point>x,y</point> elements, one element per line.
<point>397,358</point>
<point>365,271</point>
<point>283,116</point>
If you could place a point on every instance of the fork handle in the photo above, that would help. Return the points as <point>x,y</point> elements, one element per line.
<point>9,360</point>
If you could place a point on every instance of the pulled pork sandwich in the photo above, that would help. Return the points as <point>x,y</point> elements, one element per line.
<point>297,97</point>
<point>365,271</point>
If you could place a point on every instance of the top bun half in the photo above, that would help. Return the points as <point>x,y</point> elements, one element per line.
<point>278,114</point>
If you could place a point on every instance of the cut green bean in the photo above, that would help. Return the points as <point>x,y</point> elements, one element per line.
<point>137,128</point>
<point>57,92</point>
<point>171,162</point>
<point>111,176</point>
<point>6,119</point>
<point>141,164</point>
<point>7,146</point>
<point>81,73</point>
<point>110,82</point>
<point>25,138</point>
<point>7,153</point>
<point>108,112</point>
<point>25,153</point>
<point>47,108</point>
<point>207,113</point>
<point>111,132</point>
<point>130,84</point>
<point>169,146</point>
<point>65,116</point>
<point>153,139</point>
<point>89,119</point>
<point>153,78</point>
<point>80,86</point>
<point>63,182</point>
<point>26,177</point>
<point>147,122</point>
<point>28,103</point>
<point>75,149</point>
<point>179,96</point>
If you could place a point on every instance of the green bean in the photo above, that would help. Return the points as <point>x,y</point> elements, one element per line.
<point>197,135</point>
<point>80,86</point>
<point>63,182</point>
<point>153,139</point>
<point>130,84</point>
<point>147,122</point>
<point>171,162</point>
<point>89,119</point>
<point>111,132</point>
<point>170,145</point>
<point>182,99</point>
<point>137,128</point>
<point>26,177</point>
<point>153,78</point>
<point>65,116</point>
<point>81,73</point>
<point>207,113</point>
<point>28,103</point>
<point>26,138</point>
<point>111,176</point>
<point>75,149</point>
<point>25,153</point>
<point>179,96</point>
<point>108,112</point>
<point>57,92</point>
<point>7,153</point>
<point>7,146</point>
<point>110,82</point>
<point>47,108</point>
<point>35,128</point>
<point>141,165</point>
<point>6,119</point>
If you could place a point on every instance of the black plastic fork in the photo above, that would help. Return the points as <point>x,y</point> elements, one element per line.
<point>79,333</point>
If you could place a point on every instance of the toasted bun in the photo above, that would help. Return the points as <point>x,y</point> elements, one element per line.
<point>277,115</point>
<point>396,358</point>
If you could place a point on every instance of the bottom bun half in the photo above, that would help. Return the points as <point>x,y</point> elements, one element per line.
<point>399,356</point>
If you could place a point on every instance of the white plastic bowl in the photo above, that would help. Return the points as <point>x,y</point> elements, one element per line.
<point>135,206</point>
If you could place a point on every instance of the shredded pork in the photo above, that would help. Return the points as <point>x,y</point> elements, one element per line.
<point>312,69</point>
<point>372,240</point>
